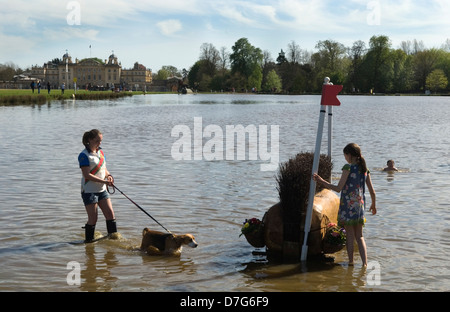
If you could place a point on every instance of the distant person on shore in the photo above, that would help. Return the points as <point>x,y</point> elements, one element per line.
<point>63,86</point>
<point>39,87</point>
<point>390,166</point>
<point>352,203</point>
<point>32,86</point>
<point>48,87</point>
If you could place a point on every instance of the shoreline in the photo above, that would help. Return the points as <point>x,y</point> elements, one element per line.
<point>10,97</point>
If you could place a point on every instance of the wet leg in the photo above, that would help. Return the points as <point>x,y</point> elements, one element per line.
<point>361,244</point>
<point>92,214</point>
<point>350,239</point>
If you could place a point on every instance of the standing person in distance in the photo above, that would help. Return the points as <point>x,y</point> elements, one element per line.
<point>94,179</point>
<point>351,207</point>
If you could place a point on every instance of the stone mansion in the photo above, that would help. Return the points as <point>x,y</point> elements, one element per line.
<point>92,73</point>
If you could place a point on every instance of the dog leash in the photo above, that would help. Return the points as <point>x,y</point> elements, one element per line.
<point>116,188</point>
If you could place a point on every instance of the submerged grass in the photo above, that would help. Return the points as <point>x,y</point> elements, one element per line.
<point>20,97</point>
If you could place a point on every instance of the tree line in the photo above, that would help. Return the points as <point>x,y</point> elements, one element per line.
<point>361,68</point>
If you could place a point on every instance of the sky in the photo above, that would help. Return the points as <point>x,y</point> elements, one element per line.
<point>160,33</point>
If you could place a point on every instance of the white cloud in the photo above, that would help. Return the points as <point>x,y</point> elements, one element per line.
<point>40,26</point>
<point>248,13</point>
<point>235,15</point>
<point>169,27</point>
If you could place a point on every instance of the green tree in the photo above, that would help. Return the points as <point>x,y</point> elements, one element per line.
<point>162,74</point>
<point>246,60</point>
<point>436,80</point>
<point>402,78</point>
<point>7,71</point>
<point>199,77</point>
<point>205,83</point>
<point>424,62</point>
<point>444,61</point>
<point>166,72</point>
<point>329,61</point>
<point>273,82</point>
<point>356,55</point>
<point>377,65</point>
<point>220,82</point>
<point>255,78</point>
<point>281,57</point>
<point>267,66</point>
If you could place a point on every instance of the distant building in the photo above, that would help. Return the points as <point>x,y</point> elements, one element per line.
<point>137,76</point>
<point>93,73</point>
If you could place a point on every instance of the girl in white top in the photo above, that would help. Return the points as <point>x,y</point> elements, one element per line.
<point>94,179</point>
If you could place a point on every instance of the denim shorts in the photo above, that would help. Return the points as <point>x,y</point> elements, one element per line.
<point>93,198</point>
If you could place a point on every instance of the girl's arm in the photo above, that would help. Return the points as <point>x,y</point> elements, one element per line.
<point>373,207</point>
<point>88,176</point>
<point>326,184</point>
<point>109,178</point>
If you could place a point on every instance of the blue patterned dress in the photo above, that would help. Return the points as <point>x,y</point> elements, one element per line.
<point>352,203</point>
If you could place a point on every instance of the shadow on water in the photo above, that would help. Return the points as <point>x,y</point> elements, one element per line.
<point>263,267</point>
<point>329,274</point>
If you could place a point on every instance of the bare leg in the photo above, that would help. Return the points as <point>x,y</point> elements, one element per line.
<point>108,212</point>
<point>92,214</point>
<point>107,209</point>
<point>350,238</point>
<point>361,244</point>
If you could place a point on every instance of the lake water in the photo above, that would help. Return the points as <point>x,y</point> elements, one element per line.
<point>41,212</point>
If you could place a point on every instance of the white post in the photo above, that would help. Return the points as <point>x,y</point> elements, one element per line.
<point>330,129</point>
<point>312,185</point>
<point>330,124</point>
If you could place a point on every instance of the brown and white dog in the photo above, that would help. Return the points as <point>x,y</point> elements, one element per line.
<point>158,243</point>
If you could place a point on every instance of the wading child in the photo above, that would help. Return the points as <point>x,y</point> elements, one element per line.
<point>390,166</point>
<point>94,179</point>
<point>351,208</point>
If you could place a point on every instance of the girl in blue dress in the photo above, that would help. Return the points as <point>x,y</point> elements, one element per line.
<point>355,176</point>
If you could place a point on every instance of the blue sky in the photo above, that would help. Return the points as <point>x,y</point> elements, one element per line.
<point>170,32</point>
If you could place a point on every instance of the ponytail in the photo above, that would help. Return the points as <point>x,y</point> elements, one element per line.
<point>362,164</point>
<point>354,150</point>
<point>90,135</point>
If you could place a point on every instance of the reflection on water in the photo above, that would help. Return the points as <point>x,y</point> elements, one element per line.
<point>41,210</point>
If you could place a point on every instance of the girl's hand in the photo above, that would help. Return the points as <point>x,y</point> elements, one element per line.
<point>109,180</point>
<point>373,209</point>
<point>317,178</point>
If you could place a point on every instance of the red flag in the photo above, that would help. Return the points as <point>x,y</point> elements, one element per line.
<point>329,95</point>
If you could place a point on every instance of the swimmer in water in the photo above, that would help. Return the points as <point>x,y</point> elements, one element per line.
<point>390,166</point>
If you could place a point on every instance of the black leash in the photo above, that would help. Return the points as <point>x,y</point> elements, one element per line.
<point>116,188</point>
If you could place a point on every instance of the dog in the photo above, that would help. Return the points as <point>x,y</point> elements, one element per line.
<point>157,243</point>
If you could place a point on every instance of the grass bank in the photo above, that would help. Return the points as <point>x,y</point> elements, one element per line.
<point>18,97</point>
